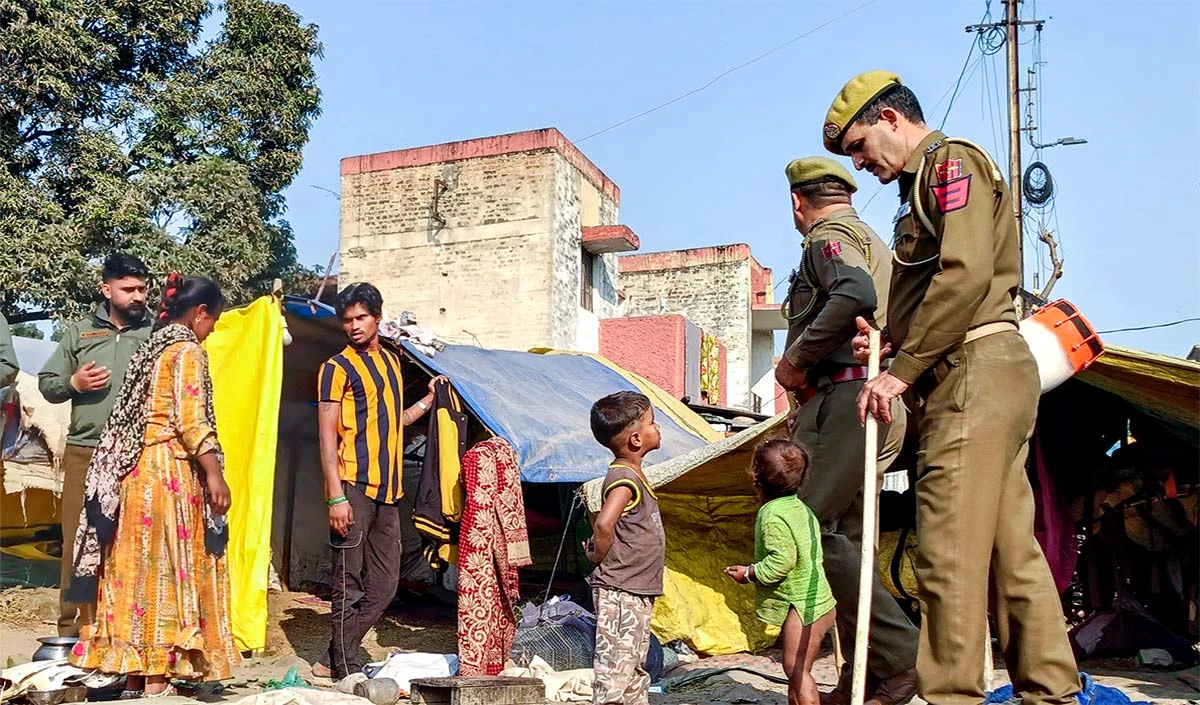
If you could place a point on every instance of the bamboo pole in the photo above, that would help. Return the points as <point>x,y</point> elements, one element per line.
<point>866,573</point>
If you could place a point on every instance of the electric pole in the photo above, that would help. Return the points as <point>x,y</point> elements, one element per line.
<point>1011,44</point>
<point>1011,24</point>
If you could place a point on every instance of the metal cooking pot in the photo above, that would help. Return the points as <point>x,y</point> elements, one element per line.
<point>54,648</point>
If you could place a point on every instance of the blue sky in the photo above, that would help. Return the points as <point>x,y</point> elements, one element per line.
<point>708,169</point>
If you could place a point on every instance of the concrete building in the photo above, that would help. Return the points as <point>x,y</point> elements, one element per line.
<point>512,241</point>
<point>727,293</point>
<point>506,242</point>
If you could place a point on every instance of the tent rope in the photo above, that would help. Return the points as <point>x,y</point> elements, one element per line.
<point>576,502</point>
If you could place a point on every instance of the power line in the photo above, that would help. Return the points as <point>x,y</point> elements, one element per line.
<point>1158,325</point>
<point>723,74</point>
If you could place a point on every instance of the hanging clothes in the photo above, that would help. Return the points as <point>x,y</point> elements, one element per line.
<point>495,542</point>
<point>438,508</point>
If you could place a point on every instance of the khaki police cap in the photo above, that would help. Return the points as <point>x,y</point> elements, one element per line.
<point>811,170</point>
<point>856,95</point>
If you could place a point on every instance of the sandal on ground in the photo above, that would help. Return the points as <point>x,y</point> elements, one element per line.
<point>165,693</point>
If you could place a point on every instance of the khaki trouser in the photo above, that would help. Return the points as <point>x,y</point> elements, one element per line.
<point>975,527</point>
<point>828,427</point>
<point>75,463</point>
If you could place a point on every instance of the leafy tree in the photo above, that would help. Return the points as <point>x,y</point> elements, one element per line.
<point>27,330</point>
<point>122,129</point>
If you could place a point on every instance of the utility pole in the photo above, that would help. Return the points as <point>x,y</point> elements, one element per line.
<point>1011,24</point>
<point>1011,44</point>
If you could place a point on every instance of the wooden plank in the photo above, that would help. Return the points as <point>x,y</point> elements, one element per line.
<point>494,690</point>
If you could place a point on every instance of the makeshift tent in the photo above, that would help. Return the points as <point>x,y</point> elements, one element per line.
<point>33,440</point>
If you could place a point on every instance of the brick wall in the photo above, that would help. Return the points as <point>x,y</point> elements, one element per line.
<point>503,269</point>
<point>710,287</point>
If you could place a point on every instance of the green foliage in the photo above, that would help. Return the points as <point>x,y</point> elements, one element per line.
<point>27,330</point>
<point>121,130</point>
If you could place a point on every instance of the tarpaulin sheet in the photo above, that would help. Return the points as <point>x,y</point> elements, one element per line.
<point>700,603</point>
<point>541,405</point>
<point>245,356</point>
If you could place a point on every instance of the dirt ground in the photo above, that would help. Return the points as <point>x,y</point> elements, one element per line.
<point>298,630</point>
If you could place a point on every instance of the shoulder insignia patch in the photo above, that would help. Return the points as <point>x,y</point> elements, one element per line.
<point>952,195</point>
<point>831,250</point>
<point>949,169</point>
<point>933,147</point>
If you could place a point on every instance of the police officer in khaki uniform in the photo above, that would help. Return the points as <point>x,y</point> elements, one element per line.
<point>844,273</point>
<point>972,385</point>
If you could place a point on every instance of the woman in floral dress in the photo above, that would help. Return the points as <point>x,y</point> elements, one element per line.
<point>152,535</point>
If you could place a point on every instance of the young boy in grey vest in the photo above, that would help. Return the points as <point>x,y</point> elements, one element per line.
<point>629,547</point>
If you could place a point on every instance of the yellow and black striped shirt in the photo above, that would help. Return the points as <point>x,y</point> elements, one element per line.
<point>371,428</point>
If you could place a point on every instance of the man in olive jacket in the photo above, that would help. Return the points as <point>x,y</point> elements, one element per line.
<point>87,369</point>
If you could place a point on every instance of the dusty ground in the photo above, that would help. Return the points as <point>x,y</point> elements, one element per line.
<point>299,631</point>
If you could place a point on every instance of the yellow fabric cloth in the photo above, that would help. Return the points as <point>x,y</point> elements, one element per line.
<point>245,354</point>
<point>700,604</point>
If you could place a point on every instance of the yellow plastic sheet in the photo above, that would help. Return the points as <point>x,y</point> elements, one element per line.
<point>700,604</point>
<point>245,354</point>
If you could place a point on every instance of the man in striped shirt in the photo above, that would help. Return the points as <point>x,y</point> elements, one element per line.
<point>361,417</point>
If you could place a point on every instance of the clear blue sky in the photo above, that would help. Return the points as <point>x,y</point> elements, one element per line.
<point>708,169</point>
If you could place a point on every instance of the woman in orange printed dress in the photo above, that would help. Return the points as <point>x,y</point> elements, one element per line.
<point>152,535</point>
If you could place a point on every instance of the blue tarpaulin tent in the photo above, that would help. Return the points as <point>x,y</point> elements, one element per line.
<point>541,403</point>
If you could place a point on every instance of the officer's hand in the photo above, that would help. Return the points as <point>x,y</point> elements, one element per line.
<point>877,395</point>
<point>791,419</point>
<point>341,518</point>
<point>861,344</point>
<point>788,375</point>
<point>90,377</point>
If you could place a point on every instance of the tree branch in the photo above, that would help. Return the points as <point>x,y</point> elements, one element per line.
<point>29,316</point>
<point>1048,238</point>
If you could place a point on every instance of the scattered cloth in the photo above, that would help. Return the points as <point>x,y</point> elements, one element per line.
<point>421,339</point>
<point>494,543</point>
<point>1092,694</point>
<point>301,696</point>
<point>574,686</point>
<point>405,668</point>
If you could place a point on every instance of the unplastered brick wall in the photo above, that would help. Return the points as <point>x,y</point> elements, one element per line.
<point>480,238</point>
<point>710,287</point>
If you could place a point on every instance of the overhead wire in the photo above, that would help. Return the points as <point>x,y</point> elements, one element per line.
<point>725,73</point>
<point>1157,325</point>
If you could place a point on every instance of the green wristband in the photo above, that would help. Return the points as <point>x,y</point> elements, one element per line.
<point>334,501</point>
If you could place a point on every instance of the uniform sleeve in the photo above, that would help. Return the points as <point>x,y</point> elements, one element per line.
<point>841,268</point>
<point>779,553</point>
<point>8,358</point>
<point>961,210</point>
<point>191,401</point>
<point>331,382</point>
<point>54,381</point>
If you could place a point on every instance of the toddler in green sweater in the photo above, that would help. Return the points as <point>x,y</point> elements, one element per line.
<point>791,591</point>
